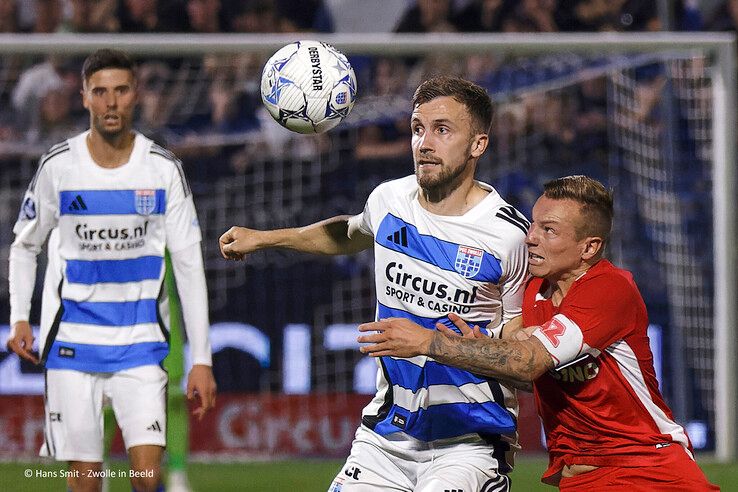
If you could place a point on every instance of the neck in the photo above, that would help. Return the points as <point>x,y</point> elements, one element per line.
<point>561,285</point>
<point>456,201</point>
<point>110,151</point>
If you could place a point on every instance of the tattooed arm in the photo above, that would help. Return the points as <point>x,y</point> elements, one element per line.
<point>520,360</point>
<point>513,329</point>
<point>517,360</point>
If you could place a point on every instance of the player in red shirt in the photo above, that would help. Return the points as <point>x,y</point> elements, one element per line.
<point>585,348</point>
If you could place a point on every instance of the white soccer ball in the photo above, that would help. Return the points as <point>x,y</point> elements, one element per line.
<point>308,86</point>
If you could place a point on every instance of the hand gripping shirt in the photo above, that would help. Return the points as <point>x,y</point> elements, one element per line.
<point>427,266</point>
<point>107,309</point>
<point>601,404</point>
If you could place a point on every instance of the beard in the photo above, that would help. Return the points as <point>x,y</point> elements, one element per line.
<point>447,180</point>
<point>109,134</point>
<point>439,185</point>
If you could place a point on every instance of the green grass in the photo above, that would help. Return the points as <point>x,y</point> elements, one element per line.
<point>293,476</point>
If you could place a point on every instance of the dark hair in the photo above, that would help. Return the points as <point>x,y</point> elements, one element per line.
<point>595,199</point>
<point>473,97</point>
<point>106,58</point>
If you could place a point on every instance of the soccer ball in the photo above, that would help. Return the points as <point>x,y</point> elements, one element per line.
<point>308,86</point>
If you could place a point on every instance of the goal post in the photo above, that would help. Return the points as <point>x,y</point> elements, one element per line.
<point>714,134</point>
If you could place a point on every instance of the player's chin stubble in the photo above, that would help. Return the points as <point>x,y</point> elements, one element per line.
<point>443,183</point>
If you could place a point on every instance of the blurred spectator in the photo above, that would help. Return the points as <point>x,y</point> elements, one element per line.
<point>257,16</point>
<point>483,15</point>
<point>207,138</point>
<point>306,15</point>
<point>33,84</point>
<point>617,15</point>
<point>48,16</point>
<point>228,111</point>
<point>687,16</point>
<point>387,137</point>
<point>205,16</point>
<point>91,16</point>
<point>151,16</point>
<point>155,100</point>
<point>590,124</point>
<point>427,16</point>
<point>725,17</point>
<point>508,128</point>
<point>55,118</point>
<point>540,13</point>
<point>8,16</point>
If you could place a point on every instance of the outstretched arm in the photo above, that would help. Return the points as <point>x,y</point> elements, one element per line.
<point>328,237</point>
<point>520,360</point>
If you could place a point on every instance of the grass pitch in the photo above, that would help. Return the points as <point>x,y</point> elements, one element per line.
<point>295,476</point>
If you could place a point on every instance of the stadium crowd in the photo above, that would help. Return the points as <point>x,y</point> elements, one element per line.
<point>40,106</point>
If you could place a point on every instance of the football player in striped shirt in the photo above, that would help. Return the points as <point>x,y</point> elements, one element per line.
<point>443,243</point>
<point>115,201</point>
<point>586,348</point>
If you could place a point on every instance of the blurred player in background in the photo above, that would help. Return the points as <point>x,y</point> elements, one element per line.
<point>117,200</point>
<point>585,346</point>
<point>444,242</point>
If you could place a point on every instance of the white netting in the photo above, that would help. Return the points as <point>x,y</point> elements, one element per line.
<point>662,143</point>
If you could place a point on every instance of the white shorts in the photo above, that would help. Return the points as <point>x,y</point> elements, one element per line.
<point>74,410</point>
<point>376,464</point>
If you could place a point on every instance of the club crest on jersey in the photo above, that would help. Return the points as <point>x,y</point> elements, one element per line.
<point>145,201</point>
<point>468,261</point>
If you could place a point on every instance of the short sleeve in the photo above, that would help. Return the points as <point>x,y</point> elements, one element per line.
<point>605,308</point>
<point>592,317</point>
<point>363,222</point>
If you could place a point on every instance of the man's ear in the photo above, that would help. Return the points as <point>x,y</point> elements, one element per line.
<point>479,145</point>
<point>592,247</point>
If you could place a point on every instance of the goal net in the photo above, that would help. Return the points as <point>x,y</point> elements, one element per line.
<point>649,116</point>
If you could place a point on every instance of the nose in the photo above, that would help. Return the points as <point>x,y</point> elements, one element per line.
<point>425,143</point>
<point>111,100</point>
<point>531,238</point>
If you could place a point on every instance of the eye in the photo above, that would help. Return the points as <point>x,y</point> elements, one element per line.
<point>442,130</point>
<point>98,91</point>
<point>549,230</point>
<point>417,130</point>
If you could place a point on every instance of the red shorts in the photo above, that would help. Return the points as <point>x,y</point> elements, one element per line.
<point>680,474</point>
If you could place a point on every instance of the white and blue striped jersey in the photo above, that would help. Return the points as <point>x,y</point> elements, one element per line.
<point>108,308</point>
<point>427,266</point>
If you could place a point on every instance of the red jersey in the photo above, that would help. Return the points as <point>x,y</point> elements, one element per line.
<point>601,404</point>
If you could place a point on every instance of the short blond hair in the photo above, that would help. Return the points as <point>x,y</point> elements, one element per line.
<point>594,198</point>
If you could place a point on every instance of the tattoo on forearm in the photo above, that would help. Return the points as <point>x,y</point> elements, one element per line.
<point>509,359</point>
